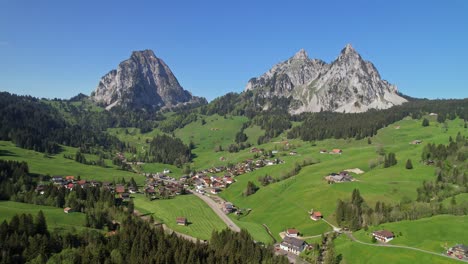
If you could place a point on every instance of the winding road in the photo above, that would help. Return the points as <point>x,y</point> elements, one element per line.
<point>218,211</point>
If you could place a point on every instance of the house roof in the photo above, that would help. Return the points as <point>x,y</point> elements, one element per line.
<point>292,231</point>
<point>336,150</point>
<point>292,242</point>
<point>383,233</point>
<point>462,247</point>
<point>317,214</point>
<point>181,219</point>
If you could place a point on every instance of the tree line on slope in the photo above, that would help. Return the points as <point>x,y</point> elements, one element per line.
<point>27,240</point>
<point>32,124</point>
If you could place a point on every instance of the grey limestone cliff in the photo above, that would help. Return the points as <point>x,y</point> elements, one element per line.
<point>142,81</point>
<point>348,84</point>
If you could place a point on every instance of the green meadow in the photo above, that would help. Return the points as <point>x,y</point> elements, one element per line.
<point>55,217</point>
<point>435,234</point>
<point>353,252</point>
<point>58,165</point>
<point>286,203</point>
<point>202,220</point>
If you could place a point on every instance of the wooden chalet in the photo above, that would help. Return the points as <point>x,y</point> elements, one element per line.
<point>292,232</point>
<point>383,235</point>
<point>181,221</point>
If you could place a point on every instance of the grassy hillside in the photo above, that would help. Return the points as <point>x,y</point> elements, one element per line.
<point>55,217</point>
<point>58,165</point>
<point>201,218</point>
<point>285,204</point>
<point>352,252</point>
<point>433,234</point>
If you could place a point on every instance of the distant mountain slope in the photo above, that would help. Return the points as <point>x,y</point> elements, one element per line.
<point>142,81</point>
<point>348,84</point>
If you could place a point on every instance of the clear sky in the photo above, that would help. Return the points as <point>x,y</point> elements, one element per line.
<point>61,48</point>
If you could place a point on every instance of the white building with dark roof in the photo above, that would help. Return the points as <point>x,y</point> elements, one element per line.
<point>293,245</point>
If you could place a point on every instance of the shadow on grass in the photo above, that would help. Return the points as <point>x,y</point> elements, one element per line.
<point>4,152</point>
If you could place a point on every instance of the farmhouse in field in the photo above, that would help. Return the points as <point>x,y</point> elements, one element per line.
<point>323,151</point>
<point>416,142</point>
<point>293,245</point>
<point>181,221</point>
<point>316,216</point>
<point>383,235</point>
<point>67,210</point>
<point>459,251</point>
<point>336,151</point>
<point>341,177</point>
<point>228,208</point>
<point>291,232</point>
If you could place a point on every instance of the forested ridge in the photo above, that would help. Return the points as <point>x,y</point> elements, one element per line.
<point>32,124</point>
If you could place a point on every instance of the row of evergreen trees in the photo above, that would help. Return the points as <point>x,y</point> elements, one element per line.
<point>27,239</point>
<point>169,150</point>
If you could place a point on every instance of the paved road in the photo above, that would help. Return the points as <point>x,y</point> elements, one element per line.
<point>218,211</point>
<point>404,247</point>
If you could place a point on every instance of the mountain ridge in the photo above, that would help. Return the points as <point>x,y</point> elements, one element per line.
<point>349,84</point>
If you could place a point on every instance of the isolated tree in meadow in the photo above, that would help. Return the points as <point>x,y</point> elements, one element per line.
<point>425,122</point>
<point>409,164</point>
<point>390,160</point>
<point>250,189</point>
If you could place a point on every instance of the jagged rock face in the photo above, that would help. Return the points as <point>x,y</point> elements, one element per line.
<point>142,81</point>
<point>348,84</point>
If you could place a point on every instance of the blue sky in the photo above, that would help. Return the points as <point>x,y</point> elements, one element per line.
<point>60,48</point>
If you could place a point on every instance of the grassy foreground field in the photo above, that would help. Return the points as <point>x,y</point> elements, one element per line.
<point>55,217</point>
<point>353,252</point>
<point>201,218</point>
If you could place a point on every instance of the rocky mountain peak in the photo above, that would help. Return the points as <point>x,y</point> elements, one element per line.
<point>143,81</point>
<point>301,55</point>
<point>143,53</point>
<point>349,53</point>
<point>348,84</point>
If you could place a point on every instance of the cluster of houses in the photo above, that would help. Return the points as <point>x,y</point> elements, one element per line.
<point>68,182</point>
<point>202,181</point>
<point>343,176</point>
<point>459,251</point>
<point>160,185</point>
<point>416,142</point>
<point>333,151</point>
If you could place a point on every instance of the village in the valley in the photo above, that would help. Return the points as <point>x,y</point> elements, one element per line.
<point>210,182</point>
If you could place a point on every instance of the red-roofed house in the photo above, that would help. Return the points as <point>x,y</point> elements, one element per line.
<point>336,151</point>
<point>119,189</point>
<point>70,178</point>
<point>291,232</point>
<point>316,216</point>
